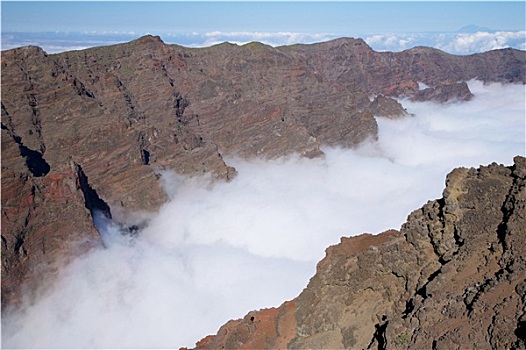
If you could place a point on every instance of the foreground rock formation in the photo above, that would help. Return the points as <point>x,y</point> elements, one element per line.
<point>90,130</point>
<point>453,277</point>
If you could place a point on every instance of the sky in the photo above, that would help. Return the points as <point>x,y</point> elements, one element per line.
<point>84,24</point>
<point>217,250</point>
<point>308,17</point>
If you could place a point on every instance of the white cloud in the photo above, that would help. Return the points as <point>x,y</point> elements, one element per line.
<point>392,42</point>
<point>217,250</point>
<point>466,43</point>
<point>269,38</point>
<point>454,43</point>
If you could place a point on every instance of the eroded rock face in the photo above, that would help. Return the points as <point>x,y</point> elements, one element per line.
<point>271,328</point>
<point>123,113</point>
<point>454,276</point>
<point>45,223</point>
<point>383,106</point>
<point>445,93</point>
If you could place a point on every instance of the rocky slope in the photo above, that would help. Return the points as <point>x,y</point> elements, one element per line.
<point>91,129</point>
<point>453,277</point>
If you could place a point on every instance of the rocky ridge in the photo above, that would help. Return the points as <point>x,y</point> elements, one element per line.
<point>453,277</point>
<point>91,129</point>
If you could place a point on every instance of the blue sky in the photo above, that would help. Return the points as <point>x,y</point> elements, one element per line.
<point>335,17</point>
<point>193,23</point>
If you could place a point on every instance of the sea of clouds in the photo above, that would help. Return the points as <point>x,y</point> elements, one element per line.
<point>215,251</point>
<point>460,43</point>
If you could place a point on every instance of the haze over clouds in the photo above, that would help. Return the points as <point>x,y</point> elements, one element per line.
<point>459,43</point>
<point>218,250</point>
<point>269,38</point>
<point>55,42</point>
<point>454,43</point>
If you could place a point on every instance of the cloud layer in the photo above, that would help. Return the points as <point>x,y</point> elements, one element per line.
<point>218,250</point>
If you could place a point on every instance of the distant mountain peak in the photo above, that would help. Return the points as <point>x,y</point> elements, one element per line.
<point>148,38</point>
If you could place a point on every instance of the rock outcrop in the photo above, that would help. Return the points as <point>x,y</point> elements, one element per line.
<point>123,113</point>
<point>445,93</point>
<point>453,277</point>
<point>387,107</point>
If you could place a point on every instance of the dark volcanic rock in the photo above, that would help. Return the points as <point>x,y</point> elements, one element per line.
<point>123,113</point>
<point>453,277</point>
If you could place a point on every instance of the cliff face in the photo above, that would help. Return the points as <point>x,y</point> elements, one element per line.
<point>453,277</point>
<point>90,129</point>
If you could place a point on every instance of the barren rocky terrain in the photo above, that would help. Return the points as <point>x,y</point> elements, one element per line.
<point>91,129</point>
<point>453,277</point>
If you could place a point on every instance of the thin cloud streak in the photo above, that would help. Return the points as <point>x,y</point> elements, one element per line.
<point>217,250</point>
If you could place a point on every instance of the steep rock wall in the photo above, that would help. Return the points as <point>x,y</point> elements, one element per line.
<point>123,113</point>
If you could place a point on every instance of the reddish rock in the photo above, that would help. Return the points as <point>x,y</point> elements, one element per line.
<point>453,277</point>
<point>43,227</point>
<point>270,328</point>
<point>407,87</point>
